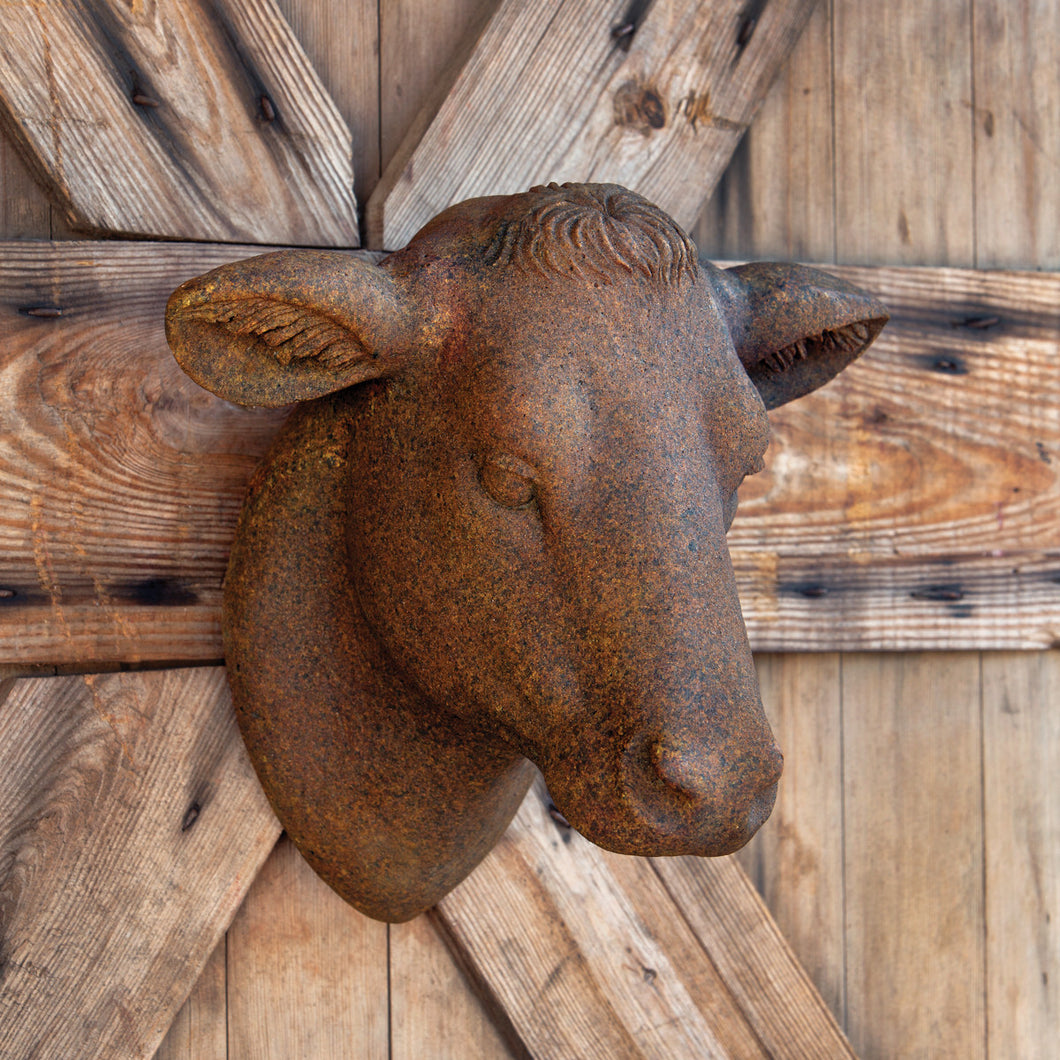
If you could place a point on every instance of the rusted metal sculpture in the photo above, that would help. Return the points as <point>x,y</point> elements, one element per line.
<point>496,530</point>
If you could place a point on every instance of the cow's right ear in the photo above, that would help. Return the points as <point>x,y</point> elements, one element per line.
<point>290,326</point>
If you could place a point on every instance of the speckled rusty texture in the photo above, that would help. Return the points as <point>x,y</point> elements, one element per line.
<point>495,532</point>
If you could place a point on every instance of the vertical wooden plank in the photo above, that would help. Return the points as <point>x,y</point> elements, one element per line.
<point>914,868</point>
<point>903,133</point>
<point>796,860</point>
<point>341,40</point>
<point>433,1010</point>
<point>24,209</point>
<point>307,974</point>
<point>199,1030</point>
<point>777,197</point>
<point>1021,744</point>
<point>1017,133</point>
<point>417,43</point>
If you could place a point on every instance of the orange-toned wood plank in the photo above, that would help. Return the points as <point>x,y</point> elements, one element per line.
<point>1021,756</point>
<point>651,96</point>
<point>131,825</point>
<point>199,120</point>
<point>914,855</point>
<point>307,974</point>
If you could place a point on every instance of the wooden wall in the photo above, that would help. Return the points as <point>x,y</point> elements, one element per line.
<point>913,859</point>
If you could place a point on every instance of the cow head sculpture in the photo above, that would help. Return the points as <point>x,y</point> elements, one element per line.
<point>495,530</point>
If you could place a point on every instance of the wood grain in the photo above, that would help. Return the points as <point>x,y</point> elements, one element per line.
<point>190,120</point>
<point>776,198</point>
<point>307,974</point>
<point>914,855</point>
<point>131,825</point>
<point>554,937</point>
<point>1017,133</point>
<point>341,41</point>
<point>24,209</point>
<point>903,133</point>
<point>1021,764</point>
<point>551,93</point>
<point>120,479</point>
<point>199,1031</point>
<point>433,1010</point>
<point>796,859</point>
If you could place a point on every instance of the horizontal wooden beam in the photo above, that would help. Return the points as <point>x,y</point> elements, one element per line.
<point>131,826</point>
<point>182,120</point>
<point>654,96</point>
<point>593,955</point>
<point>912,503</point>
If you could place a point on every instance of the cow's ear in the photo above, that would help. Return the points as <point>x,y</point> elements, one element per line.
<point>794,328</point>
<point>290,326</point>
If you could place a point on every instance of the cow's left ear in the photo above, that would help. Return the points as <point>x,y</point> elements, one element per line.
<point>794,328</point>
<point>291,326</point>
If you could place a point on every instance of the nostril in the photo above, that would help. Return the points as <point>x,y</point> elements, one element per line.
<point>678,771</point>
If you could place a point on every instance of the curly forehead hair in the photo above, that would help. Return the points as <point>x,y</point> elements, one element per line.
<point>599,232</point>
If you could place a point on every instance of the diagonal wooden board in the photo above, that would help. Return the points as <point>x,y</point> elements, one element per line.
<point>654,96</point>
<point>595,955</point>
<point>189,120</point>
<point>131,826</point>
<point>912,503</point>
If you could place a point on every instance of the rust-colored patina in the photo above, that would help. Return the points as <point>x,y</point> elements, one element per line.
<point>495,531</point>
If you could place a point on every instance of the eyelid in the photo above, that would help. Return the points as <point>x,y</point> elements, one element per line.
<point>512,464</point>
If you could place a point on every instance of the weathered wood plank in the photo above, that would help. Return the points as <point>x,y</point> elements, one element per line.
<point>131,825</point>
<point>652,96</point>
<point>433,1010</point>
<point>199,1031</point>
<point>914,502</point>
<point>24,210</point>
<point>1021,765</point>
<point>776,199</point>
<point>914,855</point>
<point>307,974</point>
<point>736,931</point>
<point>556,940</point>
<point>418,44</point>
<point>1017,133</point>
<point>341,40</point>
<point>796,859</point>
<point>198,120</point>
<point>903,133</point>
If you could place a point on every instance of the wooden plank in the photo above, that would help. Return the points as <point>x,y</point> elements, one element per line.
<point>24,210</point>
<point>1021,745</point>
<point>776,199</point>
<point>307,974</point>
<point>198,120</point>
<point>120,479</point>
<point>433,1010</point>
<point>903,133</point>
<point>199,1031</point>
<point>553,936</point>
<point>1017,133</point>
<point>341,40</point>
<point>914,855</point>
<point>132,825</point>
<point>914,502</point>
<point>735,929</point>
<point>651,96</point>
<point>796,859</point>
<point>418,43</point>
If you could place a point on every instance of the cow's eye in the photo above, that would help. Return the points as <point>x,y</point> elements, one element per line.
<point>507,480</point>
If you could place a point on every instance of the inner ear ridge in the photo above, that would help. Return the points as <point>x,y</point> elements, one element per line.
<point>847,338</point>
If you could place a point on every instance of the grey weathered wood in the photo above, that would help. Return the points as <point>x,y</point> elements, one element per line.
<point>550,928</point>
<point>131,825</point>
<point>200,119</point>
<point>651,96</point>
